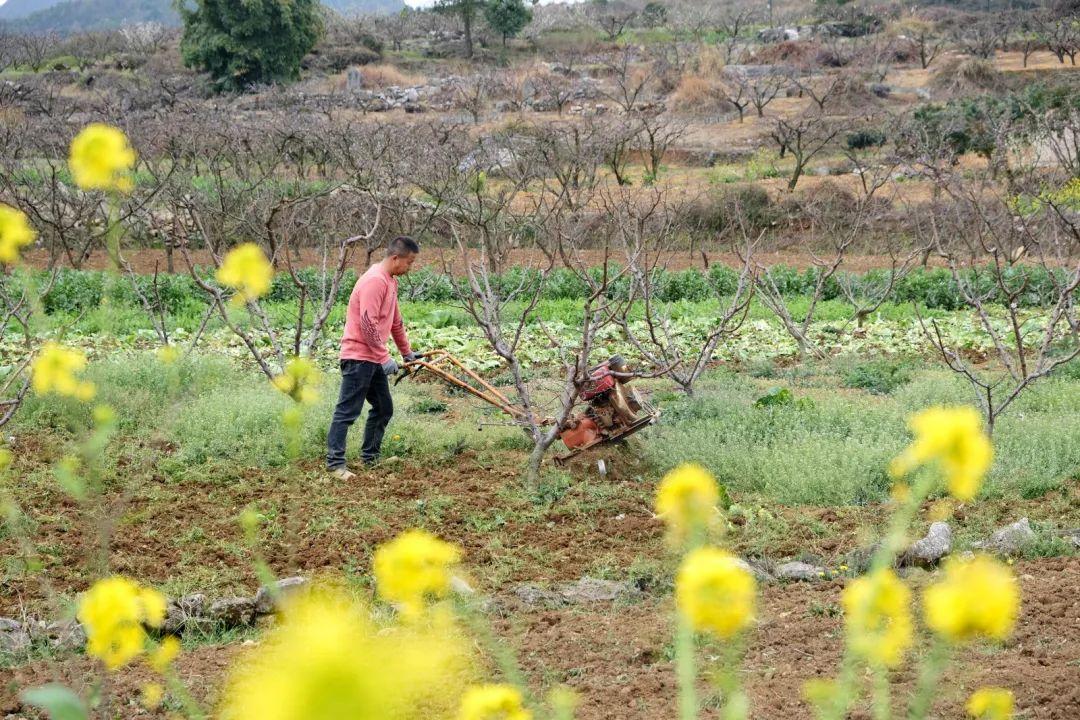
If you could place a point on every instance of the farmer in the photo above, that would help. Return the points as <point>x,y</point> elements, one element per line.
<point>366,366</point>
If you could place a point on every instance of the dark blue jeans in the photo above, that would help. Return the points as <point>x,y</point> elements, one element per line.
<point>360,381</point>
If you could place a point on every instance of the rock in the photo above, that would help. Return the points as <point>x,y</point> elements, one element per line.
<point>757,569</point>
<point>930,549</point>
<point>881,90</point>
<point>13,639</point>
<point>354,79</point>
<point>264,598</point>
<point>232,612</point>
<point>184,613</point>
<point>1010,539</point>
<point>529,90</point>
<point>61,635</point>
<point>589,590</point>
<point>411,95</point>
<point>821,171</point>
<point>460,586</point>
<point>1072,536</point>
<point>413,108</point>
<point>922,93</point>
<point>799,571</point>
<point>505,106</point>
<point>534,595</point>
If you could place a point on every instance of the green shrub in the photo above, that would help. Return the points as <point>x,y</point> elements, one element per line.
<point>880,377</point>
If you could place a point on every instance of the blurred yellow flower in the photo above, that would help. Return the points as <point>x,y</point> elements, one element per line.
<point>15,233</point>
<point>820,692</point>
<point>991,703</point>
<point>161,658</point>
<point>246,270</point>
<point>493,702</point>
<point>414,566</point>
<point>102,159</point>
<point>715,592</point>
<point>113,613</point>
<point>324,660</point>
<point>54,370</point>
<point>878,612</point>
<point>977,598</point>
<point>152,693</point>
<point>5,458</point>
<point>686,500</point>
<point>954,439</point>
<point>300,381</point>
<point>167,354</point>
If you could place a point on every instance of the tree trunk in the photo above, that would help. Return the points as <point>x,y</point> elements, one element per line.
<point>795,175</point>
<point>467,18</point>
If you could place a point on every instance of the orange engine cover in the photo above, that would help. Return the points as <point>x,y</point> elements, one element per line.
<point>582,432</point>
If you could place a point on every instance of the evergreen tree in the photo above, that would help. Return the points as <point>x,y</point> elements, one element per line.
<point>508,17</point>
<point>241,42</point>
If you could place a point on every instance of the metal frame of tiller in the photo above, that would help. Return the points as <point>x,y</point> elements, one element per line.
<point>441,364</point>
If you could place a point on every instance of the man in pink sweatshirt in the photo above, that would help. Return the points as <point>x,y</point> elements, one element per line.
<point>366,366</point>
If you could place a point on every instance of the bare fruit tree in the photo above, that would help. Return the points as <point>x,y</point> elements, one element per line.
<point>996,257</point>
<point>563,231</point>
<point>804,137</point>
<point>646,230</point>
<point>834,222</point>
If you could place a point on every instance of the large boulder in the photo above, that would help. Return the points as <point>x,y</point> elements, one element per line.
<point>185,613</point>
<point>265,602</point>
<point>799,571</point>
<point>232,611</point>
<point>1010,539</point>
<point>931,549</point>
<point>13,638</point>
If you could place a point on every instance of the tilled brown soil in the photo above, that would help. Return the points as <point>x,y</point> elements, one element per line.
<point>618,656</point>
<point>146,261</point>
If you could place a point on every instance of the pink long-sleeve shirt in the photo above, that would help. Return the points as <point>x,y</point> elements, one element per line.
<point>372,318</point>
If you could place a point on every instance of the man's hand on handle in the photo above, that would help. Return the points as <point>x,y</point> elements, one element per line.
<point>411,356</point>
<point>390,367</point>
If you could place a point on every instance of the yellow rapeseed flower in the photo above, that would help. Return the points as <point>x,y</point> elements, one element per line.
<point>102,159</point>
<point>715,592</point>
<point>15,233</point>
<point>113,612</point>
<point>978,597</point>
<point>686,500</point>
<point>324,660</point>
<point>414,566</point>
<point>878,612</point>
<point>152,693</point>
<point>162,657</point>
<point>991,703</point>
<point>246,270</point>
<point>493,702</point>
<point>167,354</point>
<point>54,370</point>
<point>954,439</point>
<point>300,381</point>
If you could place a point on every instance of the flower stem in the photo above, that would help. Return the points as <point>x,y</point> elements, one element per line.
<point>929,677</point>
<point>685,670</point>
<point>882,695</point>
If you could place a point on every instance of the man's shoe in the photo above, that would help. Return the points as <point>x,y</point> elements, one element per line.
<point>343,474</point>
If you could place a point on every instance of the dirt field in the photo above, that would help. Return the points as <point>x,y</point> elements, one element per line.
<point>145,261</point>
<point>614,655</point>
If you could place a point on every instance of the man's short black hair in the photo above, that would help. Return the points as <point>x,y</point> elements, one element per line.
<point>402,245</point>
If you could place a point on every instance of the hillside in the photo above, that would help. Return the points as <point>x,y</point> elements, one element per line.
<point>76,15</point>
